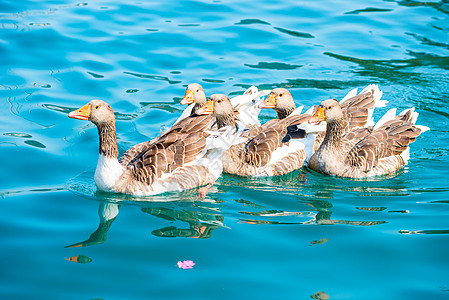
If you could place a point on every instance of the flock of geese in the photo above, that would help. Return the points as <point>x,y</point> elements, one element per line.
<point>219,134</point>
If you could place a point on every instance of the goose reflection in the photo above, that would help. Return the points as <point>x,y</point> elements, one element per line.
<point>318,212</point>
<point>202,221</point>
<point>312,194</point>
<point>108,213</point>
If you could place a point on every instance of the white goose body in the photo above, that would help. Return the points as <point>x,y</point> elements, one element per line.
<point>107,173</point>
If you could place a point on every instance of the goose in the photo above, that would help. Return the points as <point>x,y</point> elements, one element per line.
<point>267,150</point>
<point>360,152</point>
<point>246,104</point>
<point>358,107</point>
<point>186,156</point>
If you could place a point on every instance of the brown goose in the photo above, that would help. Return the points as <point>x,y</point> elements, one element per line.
<point>268,150</point>
<point>186,156</point>
<point>363,152</point>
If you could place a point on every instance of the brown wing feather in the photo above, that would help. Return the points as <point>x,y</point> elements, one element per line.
<point>257,152</point>
<point>390,139</point>
<point>356,108</point>
<point>178,146</point>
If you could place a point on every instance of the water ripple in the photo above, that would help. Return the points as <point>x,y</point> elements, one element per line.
<point>252,21</point>
<point>368,9</point>
<point>274,66</point>
<point>295,33</point>
<point>154,77</point>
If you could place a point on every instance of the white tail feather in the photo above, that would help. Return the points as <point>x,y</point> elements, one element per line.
<point>406,155</point>
<point>377,95</point>
<point>423,128</point>
<point>247,105</point>
<point>414,114</point>
<point>389,115</point>
<point>349,95</point>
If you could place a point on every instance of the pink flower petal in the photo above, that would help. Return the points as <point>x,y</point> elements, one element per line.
<point>186,264</point>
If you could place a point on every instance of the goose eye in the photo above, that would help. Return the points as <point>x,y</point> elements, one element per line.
<point>96,107</point>
<point>197,91</point>
<point>280,95</point>
<point>219,101</point>
<point>329,107</point>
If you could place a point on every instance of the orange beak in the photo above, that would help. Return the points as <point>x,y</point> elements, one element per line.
<point>82,113</point>
<point>269,102</point>
<point>188,98</point>
<point>318,116</point>
<point>206,109</point>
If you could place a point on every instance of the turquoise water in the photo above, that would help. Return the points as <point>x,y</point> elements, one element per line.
<point>277,238</point>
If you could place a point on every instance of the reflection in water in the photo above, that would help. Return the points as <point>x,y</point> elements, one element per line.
<point>368,9</point>
<point>313,194</point>
<point>95,75</point>
<point>306,83</point>
<point>252,21</point>
<point>35,144</point>
<point>295,33</point>
<point>209,80</point>
<point>273,66</point>
<point>314,185</point>
<point>107,212</point>
<point>81,259</point>
<point>372,208</point>
<point>154,77</point>
<point>5,193</point>
<point>165,106</point>
<point>17,134</point>
<point>322,217</point>
<point>42,85</point>
<point>434,231</point>
<point>394,70</point>
<point>319,242</point>
<point>202,220</point>
<point>426,41</point>
<point>201,224</point>
<point>441,6</point>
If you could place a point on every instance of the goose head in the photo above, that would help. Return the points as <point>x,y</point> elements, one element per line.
<point>329,111</point>
<point>281,101</point>
<point>96,111</point>
<point>194,94</point>
<point>221,108</point>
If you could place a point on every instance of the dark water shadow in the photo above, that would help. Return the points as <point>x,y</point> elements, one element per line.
<point>441,6</point>
<point>399,71</point>
<point>304,83</point>
<point>367,10</point>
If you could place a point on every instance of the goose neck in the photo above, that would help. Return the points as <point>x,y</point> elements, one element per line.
<point>334,132</point>
<point>108,140</point>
